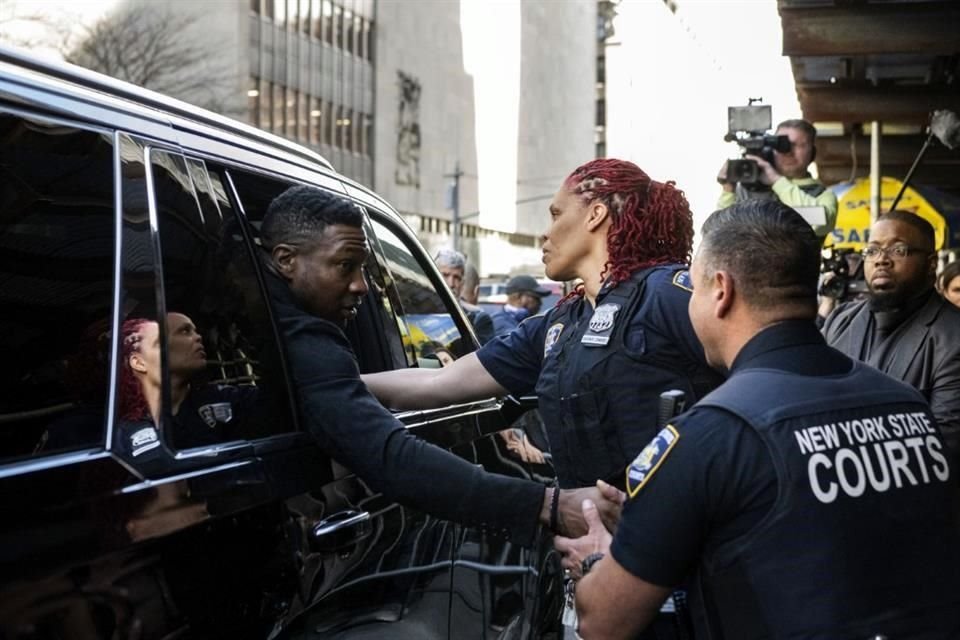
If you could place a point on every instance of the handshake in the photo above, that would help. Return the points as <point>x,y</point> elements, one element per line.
<point>585,519</point>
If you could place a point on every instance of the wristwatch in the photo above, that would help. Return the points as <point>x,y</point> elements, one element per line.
<point>587,563</point>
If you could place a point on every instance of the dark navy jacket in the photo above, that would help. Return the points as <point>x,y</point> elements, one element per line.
<point>810,497</point>
<point>598,391</point>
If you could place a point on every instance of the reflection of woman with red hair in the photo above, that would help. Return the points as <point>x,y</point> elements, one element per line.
<point>199,414</point>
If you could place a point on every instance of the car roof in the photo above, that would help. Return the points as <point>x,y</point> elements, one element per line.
<point>141,102</point>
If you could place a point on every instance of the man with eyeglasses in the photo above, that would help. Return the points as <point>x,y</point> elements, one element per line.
<point>904,328</point>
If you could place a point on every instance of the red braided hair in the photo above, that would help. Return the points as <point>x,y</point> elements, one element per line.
<point>651,221</point>
<point>131,401</point>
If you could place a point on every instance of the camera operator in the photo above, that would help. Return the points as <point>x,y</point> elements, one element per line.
<point>788,178</point>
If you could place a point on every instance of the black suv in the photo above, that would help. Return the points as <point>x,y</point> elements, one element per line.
<point>116,206</point>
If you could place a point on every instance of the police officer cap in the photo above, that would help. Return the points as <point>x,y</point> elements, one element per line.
<point>528,284</point>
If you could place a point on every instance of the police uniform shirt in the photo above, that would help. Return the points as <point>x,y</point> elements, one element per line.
<point>714,483</point>
<point>719,477</point>
<point>660,324</point>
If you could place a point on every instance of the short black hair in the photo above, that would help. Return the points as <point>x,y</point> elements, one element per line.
<point>301,214</point>
<point>800,125</point>
<point>915,221</point>
<point>771,251</point>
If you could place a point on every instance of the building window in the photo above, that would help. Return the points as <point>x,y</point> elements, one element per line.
<point>255,6</point>
<point>366,40</point>
<point>305,17</point>
<point>367,135</point>
<point>280,12</point>
<point>316,121</point>
<point>253,101</point>
<point>277,125</point>
<point>290,130</point>
<point>301,117</point>
<point>316,28</point>
<point>338,138</point>
<point>337,27</point>
<point>264,99</point>
<point>348,30</point>
<point>326,21</point>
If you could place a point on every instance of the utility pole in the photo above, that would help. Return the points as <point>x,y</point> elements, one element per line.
<point>454,202</point>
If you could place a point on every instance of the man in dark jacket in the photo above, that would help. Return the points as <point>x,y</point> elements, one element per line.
<point>905,328</point>
<point>317,249</point>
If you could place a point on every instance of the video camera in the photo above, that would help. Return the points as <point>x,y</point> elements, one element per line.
<point>748,127</point>
<point>846,281</point>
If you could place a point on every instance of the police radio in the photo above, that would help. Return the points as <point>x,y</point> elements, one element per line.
<point>671,403</point>
<point>680,625</point>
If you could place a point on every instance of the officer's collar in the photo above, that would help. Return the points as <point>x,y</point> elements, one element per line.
<point>789,333</point>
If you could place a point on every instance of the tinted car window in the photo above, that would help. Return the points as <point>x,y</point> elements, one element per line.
<point>56,285</point>
<point>203,361</point>
<point>426,325</point>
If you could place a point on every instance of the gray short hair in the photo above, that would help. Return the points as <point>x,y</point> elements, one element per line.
<point>450,258</point>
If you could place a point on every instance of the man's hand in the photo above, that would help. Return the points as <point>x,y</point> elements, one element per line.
<point>722,177</point>
<point>607,502</point>
<point>768,174</point>
<point>597,540</point>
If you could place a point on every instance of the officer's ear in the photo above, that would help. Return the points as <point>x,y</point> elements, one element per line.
<point>284,257</point>
<point>597,214</point>
<point>723,293</point>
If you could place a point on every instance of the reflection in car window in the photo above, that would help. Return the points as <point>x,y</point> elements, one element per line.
<point>425,322</point>
<point>56,285</point>
<point>218,381</point>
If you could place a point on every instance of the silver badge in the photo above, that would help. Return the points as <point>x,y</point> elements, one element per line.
<point>143,440</point>
<point>603,317</point>
<point>216,412</point>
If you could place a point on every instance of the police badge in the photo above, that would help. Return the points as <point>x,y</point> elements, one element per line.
<point>216,412</point>
<point>600,326</point>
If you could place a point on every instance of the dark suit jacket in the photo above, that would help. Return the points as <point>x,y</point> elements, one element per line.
<point>925,354</point>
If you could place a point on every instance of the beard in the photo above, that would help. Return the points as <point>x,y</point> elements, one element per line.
<point>888,300</point>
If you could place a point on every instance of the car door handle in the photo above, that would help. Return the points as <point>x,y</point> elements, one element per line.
<point>341,530</point>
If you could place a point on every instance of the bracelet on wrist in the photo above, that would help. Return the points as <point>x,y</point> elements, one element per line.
<point>554,510</point>
<point>587,563</point>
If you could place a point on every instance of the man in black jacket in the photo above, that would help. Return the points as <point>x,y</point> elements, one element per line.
<point>317,249</point>
<point>904,328</point>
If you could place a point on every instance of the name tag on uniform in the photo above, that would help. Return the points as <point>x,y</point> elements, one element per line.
<point>600,326</point>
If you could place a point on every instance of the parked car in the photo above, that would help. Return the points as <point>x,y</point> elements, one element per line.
<point>117,203</point>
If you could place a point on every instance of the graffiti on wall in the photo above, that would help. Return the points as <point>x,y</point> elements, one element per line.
<point>408,132</point>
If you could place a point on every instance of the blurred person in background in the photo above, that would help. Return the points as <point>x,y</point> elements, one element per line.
<point>524,299</point>
<point>453,266</point>
<point>949,283</point>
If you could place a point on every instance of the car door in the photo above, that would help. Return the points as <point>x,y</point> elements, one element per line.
<point>496,585</point>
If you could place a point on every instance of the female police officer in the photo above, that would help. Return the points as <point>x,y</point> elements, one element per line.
<point>598,360</point>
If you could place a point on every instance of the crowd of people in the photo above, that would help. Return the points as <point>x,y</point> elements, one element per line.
<point>808,490</point>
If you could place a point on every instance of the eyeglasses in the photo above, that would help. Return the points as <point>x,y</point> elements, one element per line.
<point>894,252</point>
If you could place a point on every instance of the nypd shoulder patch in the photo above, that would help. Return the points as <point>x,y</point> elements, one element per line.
<point>553,333</point>
<point>646,464</point>
<point>682,279</point>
